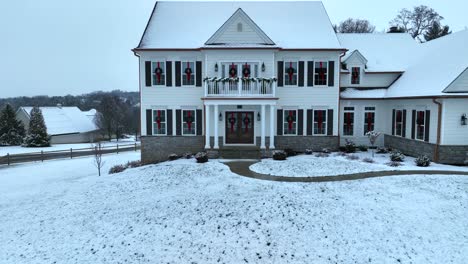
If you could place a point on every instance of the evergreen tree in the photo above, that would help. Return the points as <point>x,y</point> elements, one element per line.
<point>11,129</point>
<point>37,132</point>
<point>436,31</point>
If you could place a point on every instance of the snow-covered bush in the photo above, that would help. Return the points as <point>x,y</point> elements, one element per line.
<point>279,155</point>
<point>172,157</point>
<point>322,155</point>
<point>350,147</point>
<point>422,161</point>
<point>393,164</point>
<point>362,148</point>
<point>134,164</point>
<point>201,157</point>
<point>117,169</point>
<point>325,150</point>
<point>382,151</point>
<point>397,156</point>
<point>290,152</point>
<point>368,160</point>
<point>308,152</point>
<point>188,155</point>
<point>352,157</point>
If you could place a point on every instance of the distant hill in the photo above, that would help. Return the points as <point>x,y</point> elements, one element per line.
<point>84,102</point>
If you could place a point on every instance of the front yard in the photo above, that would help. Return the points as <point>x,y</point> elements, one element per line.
<point>183,212</point>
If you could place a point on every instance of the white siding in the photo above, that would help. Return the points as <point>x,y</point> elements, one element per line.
<point>460,84</point>
<point>453,133</point>
<point>247,35</point>
<point>373,80</point>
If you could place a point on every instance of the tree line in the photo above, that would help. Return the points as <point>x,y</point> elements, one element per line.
<point>422,23</point>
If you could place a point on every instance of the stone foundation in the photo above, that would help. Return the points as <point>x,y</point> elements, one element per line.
<point>456,155</point>
<point>155,149</point>
<point>301,143</point>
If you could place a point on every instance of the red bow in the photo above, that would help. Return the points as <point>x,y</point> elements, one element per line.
<point>158,119</point>
<point>189,120</point>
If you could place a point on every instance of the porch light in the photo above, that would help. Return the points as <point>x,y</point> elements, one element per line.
<point>220,117</point>
<point>259,117</point>
<point>463,120</point>
<point>216,67</point>
<point>263,66</point>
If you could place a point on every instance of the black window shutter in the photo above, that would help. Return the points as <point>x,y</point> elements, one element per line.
<point>301,74</point>
<point>168,73</point>
<point>169,122</point>
<point>279,122</point>
<point>309,121</point>
<point>393,122</point>
<point>403,133</point>
<point>300,122</point>
<point>310,74</point>
<point>331,73</point>
<point>427,125</point>
<point>330,122</point>
<point>148,73</point>
<point>280,73</point>
<point>149,122</point>
<point>178,75</point>
<point>198,74</point>
<point>199,122</point>
<point>178,122</point>
<point>413,124</point>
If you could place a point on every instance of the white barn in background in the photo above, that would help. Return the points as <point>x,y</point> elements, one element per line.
<point>243,76</point>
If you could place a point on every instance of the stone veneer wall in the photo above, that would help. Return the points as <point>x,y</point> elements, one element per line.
<point>154,149</point>
<point>457,155</point>
<point>301,143</point>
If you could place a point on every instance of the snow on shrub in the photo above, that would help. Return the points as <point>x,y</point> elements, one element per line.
<point>422,161</point>
<point>308,152</point>
<point>382,151</point>
<point>290,152</point>
<point>350,147</point>
<point>279,155</point>
<point>352,157</point>
<point>322,155</point>
<point>397,156</point>
<point>362,148</point>
<point>188,155</point>
<point>201,157</point>
<point>172,157</point>
<point>117,169</point>
<point>393,164</point>
<point>134,164</point>
<point>326,150</point>
<point>368,160</point>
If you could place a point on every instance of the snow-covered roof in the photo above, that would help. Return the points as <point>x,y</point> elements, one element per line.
<point>442,61</point>
<point>189,24</point>
<point>66,120</point>
<point>350,93</point>
<point>384,52</point>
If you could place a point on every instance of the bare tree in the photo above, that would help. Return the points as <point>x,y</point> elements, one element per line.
<point>416,21</point>
<point>351,25</point>
<point>98,162</point>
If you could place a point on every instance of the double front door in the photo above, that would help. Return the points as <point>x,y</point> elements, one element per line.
<point>239,127</point>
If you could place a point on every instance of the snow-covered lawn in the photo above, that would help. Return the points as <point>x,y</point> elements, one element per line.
<point>311,166</point>
<point>183,212</point>
<point>18,149</point>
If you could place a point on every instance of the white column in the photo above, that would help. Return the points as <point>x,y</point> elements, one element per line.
<point>216,127</point>
<point>272,127</point>
<point>262,136</point>
<point>207,127</point>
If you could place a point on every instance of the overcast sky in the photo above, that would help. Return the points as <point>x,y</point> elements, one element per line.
<point>57,47</point>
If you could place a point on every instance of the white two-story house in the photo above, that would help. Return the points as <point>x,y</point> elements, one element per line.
<point>258,76</point>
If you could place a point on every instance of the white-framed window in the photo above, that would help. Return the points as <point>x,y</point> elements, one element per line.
<point>290,122</point>
<point>348,121</point>
<point>159,122</point>
<point>320,122</point>
<point>188,73</point>
<point>189,121</point>
<point>321,73</point>
<point>355,75</point>
<point>158,68</point>
<point>290,73</point>
<point>369,119</point>
<point>420,124</point>
<point>398,123</point>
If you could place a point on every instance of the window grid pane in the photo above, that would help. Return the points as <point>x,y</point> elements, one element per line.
<point>290,122</point>
<point>321,73</point>
<point>290,79</point>
<point>161,78</point>
<point>320,124</point>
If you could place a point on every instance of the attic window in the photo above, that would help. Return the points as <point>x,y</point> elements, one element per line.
<point>239,27</point>
<point>355,75</point>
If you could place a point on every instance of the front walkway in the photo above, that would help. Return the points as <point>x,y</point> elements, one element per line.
<point>243,168</point>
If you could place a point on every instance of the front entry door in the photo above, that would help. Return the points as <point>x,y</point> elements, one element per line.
<point>239,128</point>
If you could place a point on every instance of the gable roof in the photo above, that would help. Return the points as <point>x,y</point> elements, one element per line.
<point>250,33</point>
<point>189,24</point>
<point>358,56</point>
<point>460,84</point>
<point>65,120</point>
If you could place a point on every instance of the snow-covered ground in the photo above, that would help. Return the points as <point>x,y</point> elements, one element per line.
<point>312,166</point>
<point>18,149</point>
<point>183,212</point>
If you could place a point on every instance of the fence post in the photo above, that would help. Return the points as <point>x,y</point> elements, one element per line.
<point>117,148</point>
<point>42,155</point>
<point>8,159</point>
<point>71,153</point>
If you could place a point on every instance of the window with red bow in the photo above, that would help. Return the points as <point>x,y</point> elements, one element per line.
<point>290,73</point>
<point>188,72</point>
<point>321,73</point>
<point>355,75</point>
<point>420,124</point>
<point>348,121</point>
<point>320,122</point>
<point>188,122</point>
<point>159,72</point>
<point>290,122</point>
<point>159,122</point>
<point>369,119</point>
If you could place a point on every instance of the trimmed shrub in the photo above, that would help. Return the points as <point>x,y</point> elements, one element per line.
<point>352,157</point>
<point>350,147</point>
<point>422,161</point>
<point>393,164</point>
<point>322,155</point>
<point>326,150</point>
<point>117,169</point>
<point>362,148</point>
<point>172,157</point>
<point>368,160</point>
<point>308,152</point>
<point>382,151</point>
<point>290,152</point>
<point>201,157</point>
<point>279,155</point>
<point>188,155</point>
<point>397,156</point>
<point>134,164</point>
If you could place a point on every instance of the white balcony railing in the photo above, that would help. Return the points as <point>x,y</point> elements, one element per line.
<point>240,87</point>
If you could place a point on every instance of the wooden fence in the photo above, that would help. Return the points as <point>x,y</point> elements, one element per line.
<point>63,154</point>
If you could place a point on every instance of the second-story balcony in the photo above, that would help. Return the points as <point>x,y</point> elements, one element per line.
<point>240,87</point>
